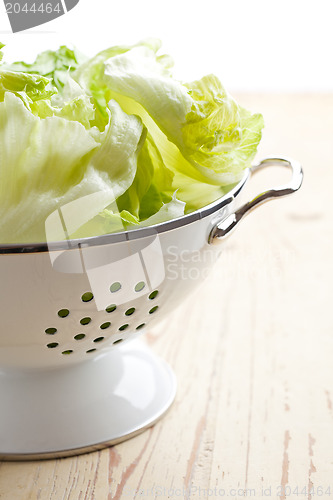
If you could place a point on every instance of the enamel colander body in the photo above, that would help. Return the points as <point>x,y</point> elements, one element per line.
<point>70,382</point>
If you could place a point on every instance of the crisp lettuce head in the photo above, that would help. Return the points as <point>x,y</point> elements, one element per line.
<point>113,142</point>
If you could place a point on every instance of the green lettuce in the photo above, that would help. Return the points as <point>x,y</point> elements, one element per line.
<point>113,143</point>
<point>54,65</point>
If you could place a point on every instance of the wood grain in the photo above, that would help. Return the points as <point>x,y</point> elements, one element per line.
<point>252,350</point>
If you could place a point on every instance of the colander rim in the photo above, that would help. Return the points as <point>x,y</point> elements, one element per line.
<point>131,234</point>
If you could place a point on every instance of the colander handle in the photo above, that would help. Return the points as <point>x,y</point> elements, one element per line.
<point>226,226</point>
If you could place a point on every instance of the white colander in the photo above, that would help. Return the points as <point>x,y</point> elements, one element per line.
<point>69,382</point>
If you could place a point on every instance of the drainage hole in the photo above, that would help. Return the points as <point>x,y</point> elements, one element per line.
<point>87,297</point>
<point>117,341</point>
<point>85,321</point>
<point>139,286</point>
<point>69,351</point>
<point>111,308</point>
<point>51,331</point>
<point>153,294</point>
<point>79,336</point>
<point>140,326</point>
<point>52,345</point>
<point>90,350</point>
<point>153,309</point>
<point>115,287</point>
<point>105,325</point>
<point>123,327</point>
<point>63,313</point>
<point>130,311</point>
<point>99,339</point>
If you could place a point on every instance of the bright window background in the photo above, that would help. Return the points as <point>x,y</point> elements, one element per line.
<point>252,45</point>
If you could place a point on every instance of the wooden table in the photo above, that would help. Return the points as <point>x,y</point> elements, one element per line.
<point>252,350</point>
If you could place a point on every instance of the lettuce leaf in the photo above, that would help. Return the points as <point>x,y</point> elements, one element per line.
<point>76,165</point>
<point>113,143</point>
<point>55,65</point>
<point>214,138</point>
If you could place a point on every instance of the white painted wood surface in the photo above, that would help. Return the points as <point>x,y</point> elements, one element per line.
<point>252,350</point>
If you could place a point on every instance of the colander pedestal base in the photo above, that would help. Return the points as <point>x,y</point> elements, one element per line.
<point>85,407</point>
